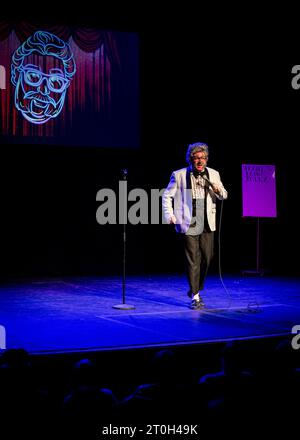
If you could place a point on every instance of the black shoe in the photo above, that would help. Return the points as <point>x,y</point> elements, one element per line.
<point>195,304</point>
<point>201,302</point>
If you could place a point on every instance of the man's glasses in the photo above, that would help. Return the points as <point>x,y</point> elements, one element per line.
<point>56,82</point>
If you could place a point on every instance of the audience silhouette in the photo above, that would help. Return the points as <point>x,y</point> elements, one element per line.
<point>254,384</point>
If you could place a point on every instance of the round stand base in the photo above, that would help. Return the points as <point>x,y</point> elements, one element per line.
<point>124,307</point>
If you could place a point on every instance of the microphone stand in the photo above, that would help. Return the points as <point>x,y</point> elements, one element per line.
<point>124,306</point>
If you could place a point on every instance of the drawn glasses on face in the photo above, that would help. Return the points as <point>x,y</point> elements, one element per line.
<point>56,82</point>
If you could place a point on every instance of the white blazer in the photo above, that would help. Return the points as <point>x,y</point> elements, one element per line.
<point>177,199</point>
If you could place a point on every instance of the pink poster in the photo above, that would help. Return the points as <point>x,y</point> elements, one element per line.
<point>259,190</point>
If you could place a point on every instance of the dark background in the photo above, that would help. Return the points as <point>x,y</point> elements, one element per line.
<point>222,77</point>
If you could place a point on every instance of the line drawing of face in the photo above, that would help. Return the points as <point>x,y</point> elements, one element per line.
<point>39,94</point>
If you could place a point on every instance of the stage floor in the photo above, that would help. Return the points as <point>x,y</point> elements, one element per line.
<point>77,314</point>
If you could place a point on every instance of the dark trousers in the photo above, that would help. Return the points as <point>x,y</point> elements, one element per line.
<point>199,251</point>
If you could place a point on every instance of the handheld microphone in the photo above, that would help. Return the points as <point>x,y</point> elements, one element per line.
<point>214,187</point>
<point>204,176</point>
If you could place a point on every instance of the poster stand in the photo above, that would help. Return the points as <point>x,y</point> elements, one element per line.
<point>259,200</point>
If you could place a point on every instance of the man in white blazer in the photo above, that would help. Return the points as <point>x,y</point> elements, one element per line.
<point>189,202</point>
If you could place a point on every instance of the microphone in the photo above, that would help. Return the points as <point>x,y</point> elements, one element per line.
<point>204,176</point>
<point>214,187</point>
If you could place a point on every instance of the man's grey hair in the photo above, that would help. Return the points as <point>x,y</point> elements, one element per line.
<point>195,148</point>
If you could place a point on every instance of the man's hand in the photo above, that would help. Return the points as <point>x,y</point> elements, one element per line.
<point>172,220</point>
<point>216,189</point>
